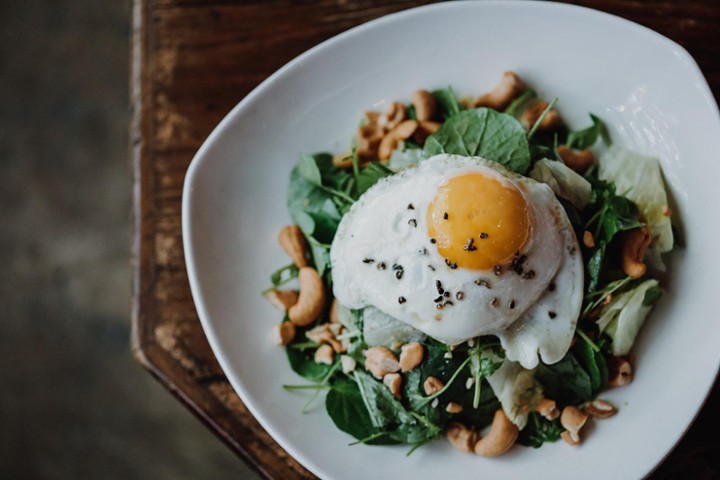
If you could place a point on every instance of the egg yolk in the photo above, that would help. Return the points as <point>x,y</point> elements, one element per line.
<point>478,222</point>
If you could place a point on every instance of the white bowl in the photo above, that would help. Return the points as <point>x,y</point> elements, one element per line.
<point>647,88</point>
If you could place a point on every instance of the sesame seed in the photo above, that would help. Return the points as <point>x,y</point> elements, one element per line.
<point>438,317</point>
<point>423,251</point>
<point>446,293</point>
<point>435,403</point>
<point>483,283</point>
<point>431,268</point>
<point>529,275</point>
<point>439,306</point>
<point>459,295</point>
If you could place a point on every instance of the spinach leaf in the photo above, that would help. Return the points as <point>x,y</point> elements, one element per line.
<point>586,138</point>
<point>652,295</point>
<point>566,381</point>
<point>539,430</point>
<point>482,132</point>
<point>447,102</point>
<point>303,363</point>
<point>370,175</point>
<point>346,408</point>
<point>593,363</point>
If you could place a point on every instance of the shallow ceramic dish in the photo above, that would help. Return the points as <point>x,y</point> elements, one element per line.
<point>647,88</point>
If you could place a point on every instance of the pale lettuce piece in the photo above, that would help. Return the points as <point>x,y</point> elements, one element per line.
<point>623,317</point>
<point>380,329</point>
<point>564,181</point>
<point>517,390</point>
<point>639,178</point>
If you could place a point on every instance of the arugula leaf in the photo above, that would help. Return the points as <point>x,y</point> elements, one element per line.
<point>485,133</point>
<point>566,381</point>
<point>539,430</point>
<point>346,408</point>
<point>586,138</point>
<point>303,363</point>
<point>447,102</point>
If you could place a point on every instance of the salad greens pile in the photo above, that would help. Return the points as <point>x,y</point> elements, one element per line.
<point>614,307</point>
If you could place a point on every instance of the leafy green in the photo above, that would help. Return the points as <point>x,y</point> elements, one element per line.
<point>485,133</point>
<point>282,276</point>
<point>303,363</point>
<point>516,106</point>
<point>652,295</point>
<point>566,381</point>
<point>586,138</point>
<point>593,363</point>
<point>539,430</point>
<point>370,175</point>
<point>346,408</point>
<point>447,102</point>
<point>540,119</point>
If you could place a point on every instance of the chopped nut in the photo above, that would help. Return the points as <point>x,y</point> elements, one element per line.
<point>532,114</point>
<point>506,91</point>
<point>348,363</point>
<point>600,409</point>
<point>367,141</point>
<point>394,381</point>
<point>453,407</point>
<point>380,361</point>
<point>324,354</point>
<point>411,355</point>
<point>548,409</point>
<point>425,105</point>
<point>311,300</point>
<point>283,299</point>
<point>635,243</point>
<point>588,239</point>
<point>572,420</point>
<point>284,333</point>
<point>393,116</point>
<point>390,141</point>
<point>432,385</point>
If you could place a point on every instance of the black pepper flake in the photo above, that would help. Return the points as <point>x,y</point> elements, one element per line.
<point>552,314</point>
<point>446,294</point>
<point>498,270</point>
<point>493,302</point>
<point>518,263</point>
<point>448,303</point>
<point>423,251</point>
<point>469,245</point>
<point>398,269</point>
<point>483,283</point>
<point>529,275</point>
<point>512,304</point>
<point>368,260</point>
<point>459,295</point>
<point>445,216</point>
<point>381,266</point>
<point>410,206</point>
<point>450,264</point>
<point>398,274</point>
<point>438,285</point>
<point>401,300</point>
<point>431,268</point>
<point>432,240</point>
<point>551,287</point>
<point>412,222</point>
<point>484,235</point>
<point>438,299</point>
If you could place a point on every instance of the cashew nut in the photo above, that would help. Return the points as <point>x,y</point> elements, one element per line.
<point>324,334</point>
<point>411,355</point>
<point>334,312</point>
<point>284,333</point>
<point>343,160</point>
<point>453,407</point>
<point>425,105</point>
<point>424,130</point>
<point>620,372</point>
<point>579,160</point>
<point>291,240</point>
<point>461,437</point>
<point>600,409</point>
<point>393,116</point>
<point>391,140</point>
<point>367,141</point>
<point>324,354</point>
<point>548,409</point>
<point>393,381</point>
<point>311,300</point>
<point>282,299</point>
<point>380,361</point>
<point>572,420</point>
<point>588,239</point>
<point>501,437</point>
<point>432,385</point>
<point>348,363</point>
<point>635,243</point>
<point>530,116</point>
<point>506,91</point>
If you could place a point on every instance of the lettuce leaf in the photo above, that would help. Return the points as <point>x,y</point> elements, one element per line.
<point>517,390</point>
<point>564,181</point>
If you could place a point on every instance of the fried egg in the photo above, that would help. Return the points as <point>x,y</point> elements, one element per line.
<point>460,247</point>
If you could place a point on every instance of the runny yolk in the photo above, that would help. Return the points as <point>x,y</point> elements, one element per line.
<point>478,222</point>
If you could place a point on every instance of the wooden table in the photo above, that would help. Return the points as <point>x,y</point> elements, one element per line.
<point>192,62</point>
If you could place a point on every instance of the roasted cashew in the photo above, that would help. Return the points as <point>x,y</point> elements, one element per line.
<point>324,354</point>
<point>291,240</point>
<point>453,407</point>
<point>501,437</point>
<point>548,409</point>
<point>424,130</point>
<point>432,385</point>
<point>635,243</point>
<point>506,91</point>
<point>461,437</point>
<point>380,361</point>
<point>343,160</point>
<point>283,299</point>
<point>367,141</point>
<point>334,312</point>
<point>348,363</point>
<point>311,299</point>
<point>324,334</point>
<point>579,160</point>
<point>599,409</point>
<point>572,420</point>
<point>411,355</point>
<point>588,239</point>
<point>425,105</point>
<point>391,140</point>
<point>393,116</point>
<point>530,116</point>
<point>393,381</point>
<point>284,333</point>
<point>620,372</point>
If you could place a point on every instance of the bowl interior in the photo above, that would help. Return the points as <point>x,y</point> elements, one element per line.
<point>645,87</point>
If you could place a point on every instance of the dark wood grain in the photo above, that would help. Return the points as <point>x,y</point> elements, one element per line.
<point>192,62</point>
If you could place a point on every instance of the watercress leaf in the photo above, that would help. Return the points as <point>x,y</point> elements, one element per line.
<point>302,362</point>
<point>482,132</point>
<point>586,138</point>
<point>447,102</point>
<point>345,407</point>
<point>539,430</point>
<point>566,381</point>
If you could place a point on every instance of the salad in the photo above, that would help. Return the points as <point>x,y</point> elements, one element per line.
<point>470,268</point>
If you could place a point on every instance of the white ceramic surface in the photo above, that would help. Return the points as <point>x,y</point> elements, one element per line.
<point>646,87</point>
